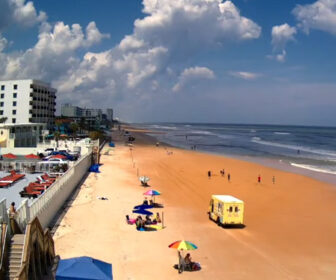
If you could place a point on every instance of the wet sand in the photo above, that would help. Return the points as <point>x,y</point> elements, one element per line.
<point>290,229</point>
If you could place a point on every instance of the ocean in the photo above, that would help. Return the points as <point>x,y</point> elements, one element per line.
<point>301,147</point>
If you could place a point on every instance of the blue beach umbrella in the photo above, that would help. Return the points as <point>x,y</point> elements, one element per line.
<point>143,206</point>
<point>142,211</point>
<point>83,268</point>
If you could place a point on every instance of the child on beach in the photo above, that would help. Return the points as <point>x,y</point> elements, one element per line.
<point>209,174</point>
<point>259,179</point>
<point>229,177</point>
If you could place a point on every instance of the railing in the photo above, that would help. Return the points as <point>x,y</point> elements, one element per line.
<point>48,204</point>
<point>35,235</point>
<point>3,211</point>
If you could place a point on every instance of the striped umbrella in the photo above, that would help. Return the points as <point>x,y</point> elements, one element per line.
<point>152,192</point>
<point>183,245</point>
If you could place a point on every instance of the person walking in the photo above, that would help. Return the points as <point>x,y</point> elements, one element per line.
<point>273,180</point>
<point>229,177</point>
<point>259,179</point>
<point>12,215</point>
<point>209,174</point>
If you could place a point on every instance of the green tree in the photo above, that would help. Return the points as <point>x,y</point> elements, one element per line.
<point>74,128</point>
<point>94,135</point>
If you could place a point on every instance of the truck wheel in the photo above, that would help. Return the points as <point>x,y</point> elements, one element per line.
<point>218,222</point>
<point>210,217</point>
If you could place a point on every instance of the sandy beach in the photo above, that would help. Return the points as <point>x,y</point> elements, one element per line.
<point>290,229</point>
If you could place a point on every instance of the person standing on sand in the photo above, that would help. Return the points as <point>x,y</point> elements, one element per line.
<point>259,179</point>
<point>209,174</point>
<point>273,180</point>
<point>229,177</point>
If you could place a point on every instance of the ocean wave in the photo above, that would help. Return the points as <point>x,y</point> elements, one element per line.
<point>281,133</point>
<point>314,168</point>
<point>292,147</point>
<point>253,131</point>
<point>164,127</point>
<point>203,132</point>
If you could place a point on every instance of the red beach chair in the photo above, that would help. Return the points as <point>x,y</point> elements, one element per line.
<point>30,192</point>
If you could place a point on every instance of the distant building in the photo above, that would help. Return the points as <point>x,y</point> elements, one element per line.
<point>109,114</point>
<point>67,110</point>
<point>27,101</point>
<point>21,135</point>
<point>93,118</point>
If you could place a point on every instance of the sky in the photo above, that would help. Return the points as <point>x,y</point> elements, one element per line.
<point>243,61</point>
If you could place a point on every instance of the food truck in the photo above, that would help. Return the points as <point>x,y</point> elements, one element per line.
<point>226,210</point>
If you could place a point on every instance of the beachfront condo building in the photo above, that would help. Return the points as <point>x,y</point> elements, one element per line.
<point>91,117</point>
<point>27,101</point>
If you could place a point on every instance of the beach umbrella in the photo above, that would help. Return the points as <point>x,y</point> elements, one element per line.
<point>59,156</point>
<point>9,156</point>
<point>152,192</point>
<point>32,156</point>
<point>142,211</point>
<point>183,245</point>
<point>143,206</point>
<point>83,268</point>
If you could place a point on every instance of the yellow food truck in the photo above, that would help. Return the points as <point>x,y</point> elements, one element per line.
<point>226,210</point>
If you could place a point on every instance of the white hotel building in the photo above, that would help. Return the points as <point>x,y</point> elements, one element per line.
<point>27,101</point>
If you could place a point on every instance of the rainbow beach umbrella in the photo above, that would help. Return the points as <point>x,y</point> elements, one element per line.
<point>183,245</point>
<point>152,192</point>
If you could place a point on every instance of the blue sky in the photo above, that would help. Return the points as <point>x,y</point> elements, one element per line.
<point>245,61</point>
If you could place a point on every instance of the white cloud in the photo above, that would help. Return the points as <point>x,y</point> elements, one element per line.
<point>19,12</point>
<point>320,15</point>
<point>193,74</point>
<point>245,75</point>
<point>144,64</point>
<point>281,35</point>
<point>3,43</point>
<point>54,54</point>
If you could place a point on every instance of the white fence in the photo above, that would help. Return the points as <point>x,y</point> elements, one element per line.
<point>46,206</point>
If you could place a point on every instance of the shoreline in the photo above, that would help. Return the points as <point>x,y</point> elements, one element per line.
<point>267,162</point>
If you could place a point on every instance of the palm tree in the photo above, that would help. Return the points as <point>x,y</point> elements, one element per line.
<point>74,128</point>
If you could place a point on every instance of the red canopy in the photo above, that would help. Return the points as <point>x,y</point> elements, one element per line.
<point>32,156</point>
<point>59,156</point>
<point>11,156</point>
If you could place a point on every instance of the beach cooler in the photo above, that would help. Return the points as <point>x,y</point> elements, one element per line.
<point>226,210</point>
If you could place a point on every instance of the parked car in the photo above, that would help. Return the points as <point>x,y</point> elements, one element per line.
<point>67,155</point>
<point>59,160</point>
<point>46,152</point>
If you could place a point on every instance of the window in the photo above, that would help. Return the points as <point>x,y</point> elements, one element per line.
<point>14,103</point>
<point>2,87</point>
<point>14,95</point>
<point>15,87</point>
<point>14,112</point>
<point>230,209</point>
<point>2,95</point>
<point>236,209</point>
<point>1,104</point>
<point>1,113</point>
<point>13,120</point>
